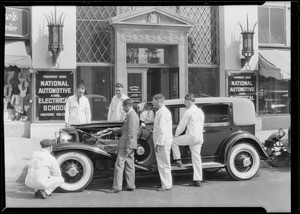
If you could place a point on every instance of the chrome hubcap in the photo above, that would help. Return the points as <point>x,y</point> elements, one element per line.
<point>140,150</point>
<point>72,170</point>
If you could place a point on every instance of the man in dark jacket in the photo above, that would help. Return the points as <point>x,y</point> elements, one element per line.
<point>126,147</point>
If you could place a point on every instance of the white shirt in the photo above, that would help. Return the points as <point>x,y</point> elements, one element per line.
<point>147,116</point>
<point>41,166</point>
<point>77,113</point>
<point>115,111</point>
<point>193,120</point>
<point>162,131</point>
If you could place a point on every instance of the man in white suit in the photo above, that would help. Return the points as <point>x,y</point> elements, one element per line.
<point>115,111</point>
<point>192,121</point>
<point>78,108</point>
<point>162,137</point>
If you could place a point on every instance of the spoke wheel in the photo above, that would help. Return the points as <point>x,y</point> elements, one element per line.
<point>243,162</point>
<point>76,169</point>
<point>145,154</point>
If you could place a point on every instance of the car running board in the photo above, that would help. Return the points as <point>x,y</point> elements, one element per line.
<point>205,165</point>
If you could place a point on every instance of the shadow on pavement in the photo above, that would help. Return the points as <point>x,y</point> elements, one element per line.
<point>285,169</point>
<point>22,192</point>
<point>23,175</point>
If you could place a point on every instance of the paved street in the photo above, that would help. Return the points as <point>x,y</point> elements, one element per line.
<point>218,191</point>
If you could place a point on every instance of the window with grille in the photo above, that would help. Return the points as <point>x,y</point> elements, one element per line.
<point>203,38</point>
<point>94,34</point>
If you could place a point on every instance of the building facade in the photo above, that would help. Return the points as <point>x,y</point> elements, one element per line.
<point>167,49</point>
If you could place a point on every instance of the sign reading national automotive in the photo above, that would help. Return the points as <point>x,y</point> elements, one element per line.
<point>53,89</point>
<point>16,22</point>
<point>242,85</point>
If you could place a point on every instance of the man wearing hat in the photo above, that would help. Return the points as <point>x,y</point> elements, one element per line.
<point>43,173</point>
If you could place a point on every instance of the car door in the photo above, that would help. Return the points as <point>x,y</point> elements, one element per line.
<point>217,127</point>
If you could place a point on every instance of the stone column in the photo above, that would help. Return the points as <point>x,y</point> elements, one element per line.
<point>120,60</point>
<point>183,66</point>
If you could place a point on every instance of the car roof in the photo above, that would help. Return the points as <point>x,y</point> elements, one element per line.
<point>243,108</point>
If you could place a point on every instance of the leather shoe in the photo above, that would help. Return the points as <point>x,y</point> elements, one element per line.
<point>196,183</point>
<point>113,191</point>
<point>163,189</point>
<point>129,189</point>
<point>40,194</point>
<point>178,163</point>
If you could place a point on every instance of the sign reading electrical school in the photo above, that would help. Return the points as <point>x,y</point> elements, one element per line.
<point>242,85</point>
<point>16,22</point>
<point>53,89</point>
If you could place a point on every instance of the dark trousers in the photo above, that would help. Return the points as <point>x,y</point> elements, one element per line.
<point>124,162</point>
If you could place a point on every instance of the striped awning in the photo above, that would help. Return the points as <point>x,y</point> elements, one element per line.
<point>16,55</point>
<point>275,63</point>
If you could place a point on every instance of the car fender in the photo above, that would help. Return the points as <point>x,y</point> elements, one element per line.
<point>80,147</point>
<point>245,136</point>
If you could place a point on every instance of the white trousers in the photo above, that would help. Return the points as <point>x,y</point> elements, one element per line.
<point>195,148</point>
<point>164,166</point>
<point>47,184</point>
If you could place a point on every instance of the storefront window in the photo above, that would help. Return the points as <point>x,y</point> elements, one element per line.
<point>17,105</point>
<point>97,81</point>
<point>202,81</point>
<point>273,96</point>
<point>146,55</point>
<point>272,25</point>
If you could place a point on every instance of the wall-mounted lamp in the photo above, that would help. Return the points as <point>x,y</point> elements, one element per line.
<point>247,50</point>
<point>55,26</point>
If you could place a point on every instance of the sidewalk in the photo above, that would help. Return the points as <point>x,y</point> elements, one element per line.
<point>18,151</point>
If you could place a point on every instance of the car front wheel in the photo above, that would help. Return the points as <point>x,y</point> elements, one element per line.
<point>77,170</point>
<point>243,162</point>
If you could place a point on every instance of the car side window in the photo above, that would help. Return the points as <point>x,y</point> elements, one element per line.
<point>216,113</point>
<point>177,113</point>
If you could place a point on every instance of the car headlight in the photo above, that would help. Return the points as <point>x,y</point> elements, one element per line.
<point>65,137</point>
<point>281,132</point>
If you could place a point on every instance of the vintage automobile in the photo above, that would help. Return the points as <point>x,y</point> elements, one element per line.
<point>229,142</point>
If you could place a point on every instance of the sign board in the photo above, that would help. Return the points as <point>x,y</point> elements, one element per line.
<point>16,22</point>
<point>52,90</point>
<point>242,84</point>
<point>134,92</point>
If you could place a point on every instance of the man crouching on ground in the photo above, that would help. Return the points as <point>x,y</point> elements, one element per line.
<point>43,174</point>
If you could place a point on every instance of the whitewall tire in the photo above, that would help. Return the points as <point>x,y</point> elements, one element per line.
<point>243,161</point>
<point>77,170</point>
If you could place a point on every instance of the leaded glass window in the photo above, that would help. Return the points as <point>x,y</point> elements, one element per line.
<point>94,34</point>
<point>203,39</point>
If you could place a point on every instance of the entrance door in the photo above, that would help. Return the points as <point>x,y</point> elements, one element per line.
<point>164,81</point>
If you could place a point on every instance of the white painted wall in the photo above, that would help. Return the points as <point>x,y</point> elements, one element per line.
<point>233,15</point>
<point>41,57</point>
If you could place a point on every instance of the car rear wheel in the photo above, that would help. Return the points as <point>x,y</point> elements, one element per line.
<point>77,170</point>
<point>145,154</point>
<point>243,162</point>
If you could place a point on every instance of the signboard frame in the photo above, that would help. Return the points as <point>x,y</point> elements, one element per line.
<point>253,73</point>
<point>26,21</point>
<point>35,89</point>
